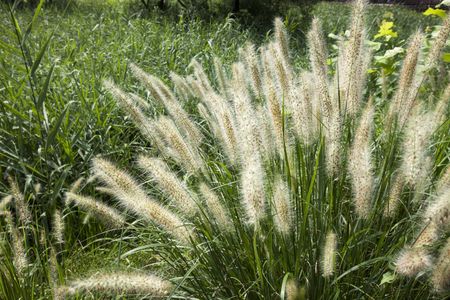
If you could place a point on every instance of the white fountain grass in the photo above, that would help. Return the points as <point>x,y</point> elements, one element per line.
<point>118,283</point>
<point>289,157</point>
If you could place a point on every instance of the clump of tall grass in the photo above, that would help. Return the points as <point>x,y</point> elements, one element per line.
<point>284,184</point>
<point>28,258</point>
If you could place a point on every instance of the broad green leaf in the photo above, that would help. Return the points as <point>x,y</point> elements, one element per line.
<point>389,54</point>
<point>374,45</point>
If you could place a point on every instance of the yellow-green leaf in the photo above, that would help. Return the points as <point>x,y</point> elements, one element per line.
<point>435,12</point>
<point>386,30</point>
<point>446,57</point>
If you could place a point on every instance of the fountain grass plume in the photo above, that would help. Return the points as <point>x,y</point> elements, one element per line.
<point>217,209</point>
<point>412,261</point>
<point>354,55</point>
<point>147,129</point>
<point>58,227</point>
<point>395,194</point>
<point>438,210</point>
<point>402,101</point>
<point>22,209</point>
<point>251,62</point>
<point>5,202</point>
<point>178,147</point>
<point>134,198</point>
<point>169,184</point>
<point>111,217</point>
<point>116,284</point>
<point>282,206</point>
<point>329,255</point>
<point>440,277</point>
<point>360,163</point>
<point>252,189</point>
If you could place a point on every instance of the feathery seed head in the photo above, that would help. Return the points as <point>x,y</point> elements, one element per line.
<point>440,276</point>
<point>181,86</point>
<point>216,208</point>
<point>415,167</point>
<point>76,186</point>
<point>439,210</point>
<point>444,181</point>
<point>329,255</point>
<point>317,48</point>
<point>180,149</point>
<point>281,37</point>
<point>252,188</point>
<point>354,58</point>
<point>412,261</point>
<point>427,236</point>
<point>402,102</point>
<point>133,197</point>
<point>58,227</point>
<point>360,165</point>
<point>143,104</point>
<point>318,56</point>
<point>438,44</point>
<point>200,74</point>
<point>394,197</point>
<point>251,62</point>
<point>282,205</point>
<point>222,78</point>
<point>292,290</point>
<point>21,206</point>
<point>112,176</point>
<point>161,92</point>
<point>105,213</point>
<point>5,202</point>
<point>149,81</point>
<point>280,70</point>
<point>118,283</point>
<point>132,110</point>
<point>304,116</point>
<point>20,259</point>
<point>333,149</point>
<point>169,183</point>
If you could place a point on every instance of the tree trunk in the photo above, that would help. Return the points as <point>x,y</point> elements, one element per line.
<point>235,6</point>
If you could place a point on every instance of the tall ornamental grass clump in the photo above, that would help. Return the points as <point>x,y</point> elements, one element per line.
<point>286,184</point>
<point>30,251</point>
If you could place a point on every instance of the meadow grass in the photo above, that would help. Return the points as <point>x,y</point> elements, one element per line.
<point>56,117</point>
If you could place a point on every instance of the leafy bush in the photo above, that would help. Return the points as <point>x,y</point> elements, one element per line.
<point>285,184</point>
